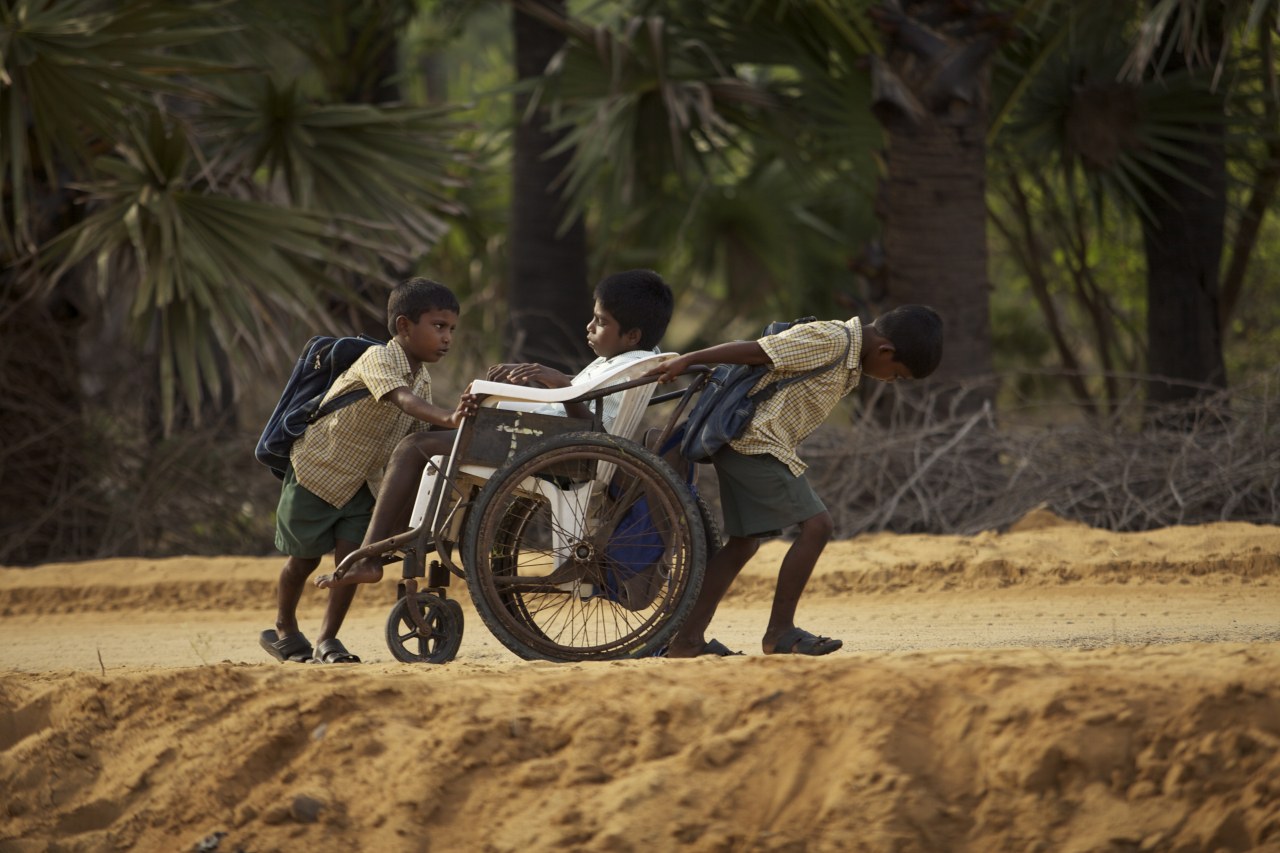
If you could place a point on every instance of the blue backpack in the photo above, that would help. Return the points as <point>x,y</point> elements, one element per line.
<point>323,360</point>
<point>726,405</point>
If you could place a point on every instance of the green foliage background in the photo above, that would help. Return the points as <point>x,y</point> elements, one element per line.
<point>202,186</point>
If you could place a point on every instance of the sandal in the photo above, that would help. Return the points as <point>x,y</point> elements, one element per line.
<point>711,647</point>
<point>293,648</point>
<point>332,651</point>
<point>798,641</point>
<point>719,649</point>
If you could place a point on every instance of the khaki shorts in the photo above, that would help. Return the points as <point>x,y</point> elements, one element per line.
<point>760,496</point>
<point>308,527</point>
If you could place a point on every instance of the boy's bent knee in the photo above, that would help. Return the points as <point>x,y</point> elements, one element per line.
<point>420,446</point>
<point>410,452</point>
<point>743,547</point>
<point>301,566</point>
<point>819,526</point>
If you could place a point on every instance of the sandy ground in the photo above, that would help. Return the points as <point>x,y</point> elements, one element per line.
<point>1053,688</point>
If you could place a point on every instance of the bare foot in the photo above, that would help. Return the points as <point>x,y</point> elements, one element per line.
<point>363,571</point>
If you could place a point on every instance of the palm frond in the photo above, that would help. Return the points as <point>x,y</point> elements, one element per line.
<point>69,72</point>
<point>677,94</point>
<point>202,267</point>
<point>1127,138</point>
<point>1194,31</point>
<point>387,165</point>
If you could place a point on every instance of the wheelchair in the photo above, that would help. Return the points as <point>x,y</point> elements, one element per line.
<point>575,543</point>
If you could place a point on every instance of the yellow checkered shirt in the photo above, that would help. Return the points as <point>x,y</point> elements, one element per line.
<point>342,451</point>
<point>785,420</point>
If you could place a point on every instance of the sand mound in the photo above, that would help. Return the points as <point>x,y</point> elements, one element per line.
<point>1041,518</point>
<point>1014,751</point>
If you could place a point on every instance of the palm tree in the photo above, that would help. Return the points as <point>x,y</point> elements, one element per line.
<point>1185,237</point>
<point>683,116</point>
<point>1138,114</point>
<point>675,110</point>
<point>932,97</point>
<point>548,294</point>
<point>157,182</point>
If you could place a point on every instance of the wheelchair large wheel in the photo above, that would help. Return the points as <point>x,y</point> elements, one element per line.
<point>710,527</point>
<point>433,637</point>
<point>584,547</point>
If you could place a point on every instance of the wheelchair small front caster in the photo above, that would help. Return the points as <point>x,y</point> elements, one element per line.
<point>424,628</point>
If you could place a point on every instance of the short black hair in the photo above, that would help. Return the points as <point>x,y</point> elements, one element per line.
<point>638,299</point>
<point>916,334</point>
<point>416,296</point>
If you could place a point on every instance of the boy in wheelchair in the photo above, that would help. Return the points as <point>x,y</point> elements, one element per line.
<point>629,318</point>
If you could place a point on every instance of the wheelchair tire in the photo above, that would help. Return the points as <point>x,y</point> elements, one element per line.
<point>710,527</point>
<point>577,600</point>
<point>439,643</point>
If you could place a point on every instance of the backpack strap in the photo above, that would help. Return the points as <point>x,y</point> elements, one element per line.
<point>338,402</point>
<point>778,384</point>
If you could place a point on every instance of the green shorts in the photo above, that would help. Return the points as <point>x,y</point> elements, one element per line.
<point>308,526</point>
<point>760,496</point>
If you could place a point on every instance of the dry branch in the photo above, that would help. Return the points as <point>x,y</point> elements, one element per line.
<point>916,470</point>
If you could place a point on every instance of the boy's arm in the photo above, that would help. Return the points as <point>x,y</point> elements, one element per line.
<point>414,406</point>
<point>734,352</point>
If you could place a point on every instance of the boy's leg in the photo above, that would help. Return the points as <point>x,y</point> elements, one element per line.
<point>328,648</point>
<point>302,527</point>
<point>760,495</point>
<point>797,567</point>
<point>395,501</point>
<point>293,578</point>
<point>740,486</point>
<point>722,568</point>
<point>400,483</point>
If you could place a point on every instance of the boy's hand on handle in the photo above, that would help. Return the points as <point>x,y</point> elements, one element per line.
<point>467,405</point>
<point>668,371</point>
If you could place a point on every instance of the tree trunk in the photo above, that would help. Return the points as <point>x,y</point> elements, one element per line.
<point>931,97</point>
<point>1184,253</point>
<point>48,504</point>
<point>935,236</point>
<point>550,300</point>
<point>1184,238</point>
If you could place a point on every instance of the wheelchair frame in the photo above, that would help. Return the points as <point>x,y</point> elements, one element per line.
<point>543,509</point>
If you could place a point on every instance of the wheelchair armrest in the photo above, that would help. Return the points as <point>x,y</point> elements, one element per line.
<point>505,392</point>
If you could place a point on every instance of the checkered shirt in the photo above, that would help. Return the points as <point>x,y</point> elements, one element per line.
<point>342,451</point>
<point>786,419</point>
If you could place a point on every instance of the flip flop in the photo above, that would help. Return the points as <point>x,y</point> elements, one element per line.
<point>711,647</point>
<point>717,648</point>
<point>332,651</point>
<point>293,648</point>
<point>798,641</point>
